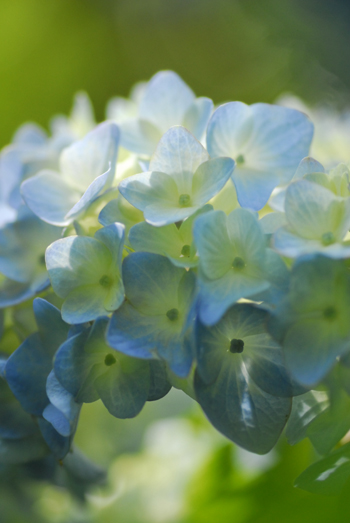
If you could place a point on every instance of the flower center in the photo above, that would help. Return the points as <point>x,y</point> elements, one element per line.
<point>330,313</point>
<point>238,263</point>
<point>185,251</point>
<point>41,259</point>
<point>240,159</point>
<point>110,360</point>
<point>106,281</point>
<point>184,200</point>
<point>328,238</point>
<point>236,346</point>
<point>172,314</point>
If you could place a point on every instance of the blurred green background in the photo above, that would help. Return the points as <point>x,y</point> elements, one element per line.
<point>168,465</point>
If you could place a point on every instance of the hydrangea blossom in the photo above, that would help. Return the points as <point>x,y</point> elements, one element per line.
<point>233,260</point>
<point>181,179</point>
<point>86,170</point>
<point>307,167</point>
<point>267,142</point>
<point>317,221</point>
<point>86,273</point>
<point>241,382</point>
<point>148,256</point>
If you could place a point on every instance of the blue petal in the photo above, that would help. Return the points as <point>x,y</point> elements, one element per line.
<point>229,128</point>
<point>311,350</point>
<point>59,445</point>
<point>124,393</point>
<point>151,282</point>
<point>241,410</point>
<point>95,154</point>
<point>261,355</point>
<point>22,248</point>
<point>73,368</point>
<point>13,292</point>
<point>28,367</point>
<point>15,423</point>
<point>165,100</point>
<point>92,192</point>
<point>254,187</point>
<point>52,329</point>
<point>308,165</point>
<point>63,411</point>
<point>179,154</point>
<point>26,372</point>
<point>141,327</point>
<point>197,116</point>
<point>133,333</point>
<point>216,296</point>
<point>272,221</point>
<point>57,420</point>
<point>11,174</point>
<point>281,137</point>
<point>269,140</point>
<point>159,382</point>
<point>139,136</point>
<point>50,197</point>
<point>210,178</point>
<point>292,246</point>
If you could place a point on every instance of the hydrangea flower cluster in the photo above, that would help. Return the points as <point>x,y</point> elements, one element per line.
<point>175,244</point>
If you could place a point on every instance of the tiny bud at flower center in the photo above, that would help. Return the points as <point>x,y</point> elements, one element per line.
<point>184,200</point>
<point>238,263</point>
<point>240,159</point>
<point>236,346</point>
<point>110,360</point>
<point>328,238</point>
<point>185,251</point>
<point>106,281</point>
<point>173,314</point>
<point>330,313</point>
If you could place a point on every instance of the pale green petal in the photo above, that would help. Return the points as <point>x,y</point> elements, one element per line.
<point>312,210</point>
<point>152,187</point>
<point>246,236</point>
<point>75,261</point>
<point>179,154</point>
<point>213,244</point>
<point>84,304</point>
<point>159,240</point>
